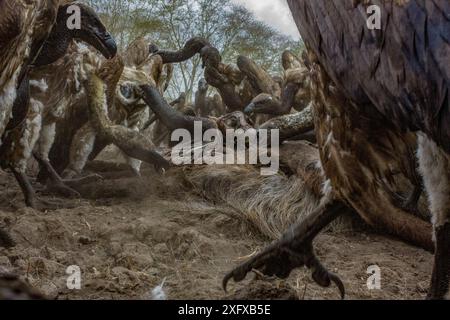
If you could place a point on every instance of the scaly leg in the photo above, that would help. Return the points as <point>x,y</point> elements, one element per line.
<point>31,200</point>
<point>295,250</point>
<point>55,183</point>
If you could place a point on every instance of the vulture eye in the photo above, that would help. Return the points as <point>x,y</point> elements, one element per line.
<point>126,91</point>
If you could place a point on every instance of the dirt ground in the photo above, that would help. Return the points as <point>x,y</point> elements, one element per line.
<point>129,235</point>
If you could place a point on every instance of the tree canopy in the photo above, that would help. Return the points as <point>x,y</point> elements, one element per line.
<point>170,23</point>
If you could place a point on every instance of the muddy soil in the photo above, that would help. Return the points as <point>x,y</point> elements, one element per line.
<point>129,235</point>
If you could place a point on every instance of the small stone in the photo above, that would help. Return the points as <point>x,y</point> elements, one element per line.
<point>49,290</point>
<point>84,240</point>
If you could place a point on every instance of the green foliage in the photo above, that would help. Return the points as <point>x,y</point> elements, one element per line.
<point>170,23</point>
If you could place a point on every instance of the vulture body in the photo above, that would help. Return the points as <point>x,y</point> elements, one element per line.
<point>208,106</point>
<point>237,85</point>
<point>397,78</point>
<point>372,91</point>
<point>24,26</point>
<point>126,108</point>
<point>20,137</point>
<point>295,92</point>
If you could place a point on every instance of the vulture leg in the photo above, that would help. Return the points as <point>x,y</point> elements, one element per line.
<point>435,167</point>
<point>31,200</point>
<point>81,149</point>
<point>55,183</point>
<point>170,117</point>
<point>295,250</point>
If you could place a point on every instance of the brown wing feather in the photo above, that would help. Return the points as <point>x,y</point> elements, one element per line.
<point>403,70</point>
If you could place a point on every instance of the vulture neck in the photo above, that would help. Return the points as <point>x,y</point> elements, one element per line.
<point>54,47</point>
<point>170,117</point>
<point>190,49</point>
<point>288,98</point>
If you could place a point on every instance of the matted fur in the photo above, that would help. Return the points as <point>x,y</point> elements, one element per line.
<point>269,203</point>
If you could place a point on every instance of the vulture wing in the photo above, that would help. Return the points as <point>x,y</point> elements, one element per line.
<point>403,69</point>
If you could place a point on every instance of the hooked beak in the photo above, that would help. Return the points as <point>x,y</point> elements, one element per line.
<point>105,44</point>
<point>100,40</point>
<point>249,109</point>
<point>153,50</point>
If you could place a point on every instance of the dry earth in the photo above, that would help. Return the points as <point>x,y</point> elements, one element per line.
<point>128,235</point>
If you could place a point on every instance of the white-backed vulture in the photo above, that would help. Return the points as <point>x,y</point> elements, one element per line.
<point>371,88</point>
<point>24,26</point>
<point>237,85</point>
<point>295,92</point>
<point>20,135</point>
<point>100,95</point>
<point>205,105</point>
<point>127,109</point>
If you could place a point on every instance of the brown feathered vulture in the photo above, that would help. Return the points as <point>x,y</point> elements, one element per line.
<point>126,109</point>
<point>45,48</point>
<point>372,88</point>
<point>295,92</point>
<point>24,26</point>
<point>237,85</point>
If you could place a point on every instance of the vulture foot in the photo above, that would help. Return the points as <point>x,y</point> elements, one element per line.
<point>77,182</point>
<point>440,281</point>
<point>55,184</point>
<point>31,200</point>
<point>294,250</point>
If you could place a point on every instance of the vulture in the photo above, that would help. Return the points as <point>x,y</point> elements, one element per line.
<point>24,26</point>
<point>294,90</point>
<point>125,109</point>
<point>207,106</point>
<point>373,90</point>
<point>100,96</point>
<point>20,136</point>
<point>237,85</point>
<point>76,139</point>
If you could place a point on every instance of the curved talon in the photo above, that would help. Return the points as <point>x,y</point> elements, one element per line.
<point>280,261</point>
<point>338,282</point>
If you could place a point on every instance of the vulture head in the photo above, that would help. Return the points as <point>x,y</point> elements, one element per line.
<point>126,96</point>
<point>263,103</point>
<point>234,120</point>
<point>203,85</point>
<point>210,57</point>
<point>290,61</point>
<point>91,31</point>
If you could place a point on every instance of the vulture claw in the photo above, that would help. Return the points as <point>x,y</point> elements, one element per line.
<point>279,260</point>
<point>324,278</point>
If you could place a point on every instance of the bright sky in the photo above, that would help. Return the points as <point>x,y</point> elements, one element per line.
<point>275,13</point>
